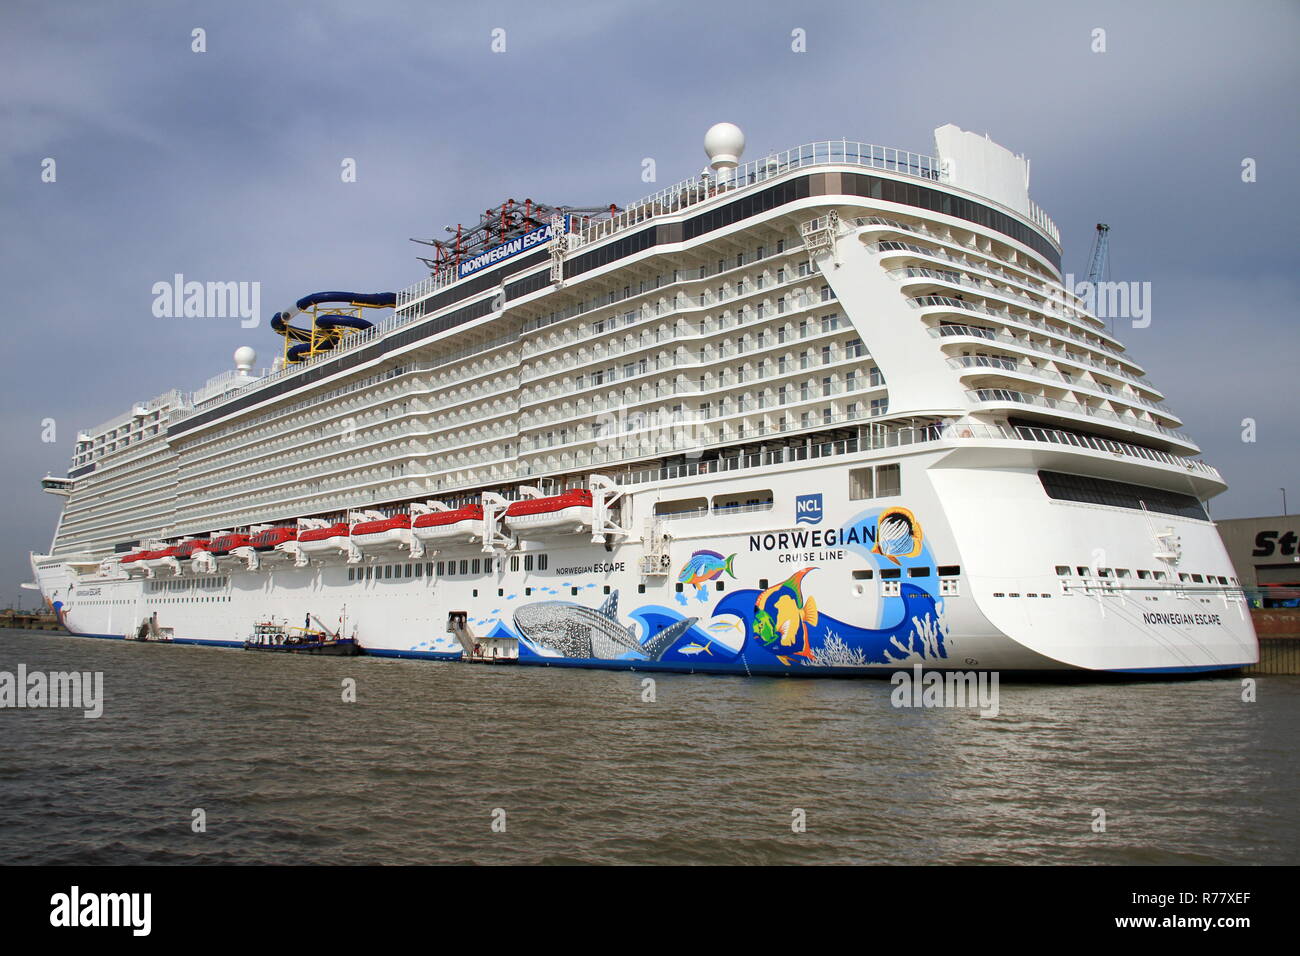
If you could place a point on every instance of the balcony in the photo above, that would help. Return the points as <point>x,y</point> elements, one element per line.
<point>1000,396</point>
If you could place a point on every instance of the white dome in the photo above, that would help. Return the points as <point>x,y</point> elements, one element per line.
<point>244,358</point>
<point>724,142</point>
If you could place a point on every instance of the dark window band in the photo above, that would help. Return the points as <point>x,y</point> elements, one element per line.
<point>1120,494</point>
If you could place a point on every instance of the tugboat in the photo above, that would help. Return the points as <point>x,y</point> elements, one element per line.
<point>277,636</point>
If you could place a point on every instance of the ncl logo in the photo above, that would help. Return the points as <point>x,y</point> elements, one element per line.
<point>808,509</point>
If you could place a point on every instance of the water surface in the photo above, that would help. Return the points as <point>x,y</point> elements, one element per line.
<point>586,772</point>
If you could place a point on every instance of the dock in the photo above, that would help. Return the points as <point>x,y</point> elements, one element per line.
<point>29,620</point>
<point>1279,640</point>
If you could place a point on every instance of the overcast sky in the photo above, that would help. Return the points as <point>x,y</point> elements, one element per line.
<point>225,166</point>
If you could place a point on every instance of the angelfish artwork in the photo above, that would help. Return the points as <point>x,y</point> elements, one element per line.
<point>782,618</point>
<point>898,535</point>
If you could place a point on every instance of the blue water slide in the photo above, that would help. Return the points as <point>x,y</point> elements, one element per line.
<point>332,324</point>
<point>378,300</point>
<point>334,320</point>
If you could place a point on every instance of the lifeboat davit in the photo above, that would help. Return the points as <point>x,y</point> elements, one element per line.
<point>383,533</point>
<point>324,539</point>
<point>268,540</point>
<point>449,527</point>
<point>559,514</point>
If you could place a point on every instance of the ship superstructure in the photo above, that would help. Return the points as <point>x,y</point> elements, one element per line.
<point>829,409</point>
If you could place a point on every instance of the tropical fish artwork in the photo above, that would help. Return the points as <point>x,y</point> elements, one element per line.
<point>912,630</point>
<point>690,650</point>
<point>782,617</point>
<point>704,566</point>
<point>898,535</point>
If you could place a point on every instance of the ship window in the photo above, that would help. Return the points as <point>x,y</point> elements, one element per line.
<point>1082,571</point>
<point>352,573</point>
<point>1123,573</point>
<point>891,573</point>
<point>606,588</point>
<point>464,566</point>
<point>501,592</point>
<point>542,562</point>
<point>685,508</point>
<point>369,572</point>
<point>1197,579</point>
<point>475,592</point>
<point>419,570</point>
<point>918,572</point>
<point>573,590</point>
<point>747,500</point>
<point>474,566</point>
<point>679,587</point>
<point>952,570</point>
<point>1103,572</point>
<point>888,481</point>
<point>528,592</point>
<point>720,586</point>
<point>1063,570</point>
<point>408,572</point>
<point>1143,575</point>
<point>388,572</point>
<point>528,562</point>
<point>440,569</point>
<point>864,575</point>
<point>514,562</point>
<point>860,484</point>
<point>1160,575</point>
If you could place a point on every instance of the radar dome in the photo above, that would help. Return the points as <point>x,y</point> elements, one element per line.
<point>244,358</point>
<point>724,142</point>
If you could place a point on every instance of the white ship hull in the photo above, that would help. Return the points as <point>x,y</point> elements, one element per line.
<point>1006,608</point>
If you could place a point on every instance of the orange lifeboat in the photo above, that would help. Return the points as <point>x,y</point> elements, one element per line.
<point>566,513</point>
<point>324,539</point>
<point>450,527</point>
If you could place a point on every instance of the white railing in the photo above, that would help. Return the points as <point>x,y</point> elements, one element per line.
<point>966,431</point>
<point>1003,395</point>
<point>698,190</point>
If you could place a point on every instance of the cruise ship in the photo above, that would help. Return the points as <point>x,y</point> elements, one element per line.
<point>833,411</point>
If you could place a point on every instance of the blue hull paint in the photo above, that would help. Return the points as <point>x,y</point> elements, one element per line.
<point>413,655</point>
<point>728,669</point>
<point>1199,669</point>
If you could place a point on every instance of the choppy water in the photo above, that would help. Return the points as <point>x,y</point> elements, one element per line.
<point>587,772</point>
